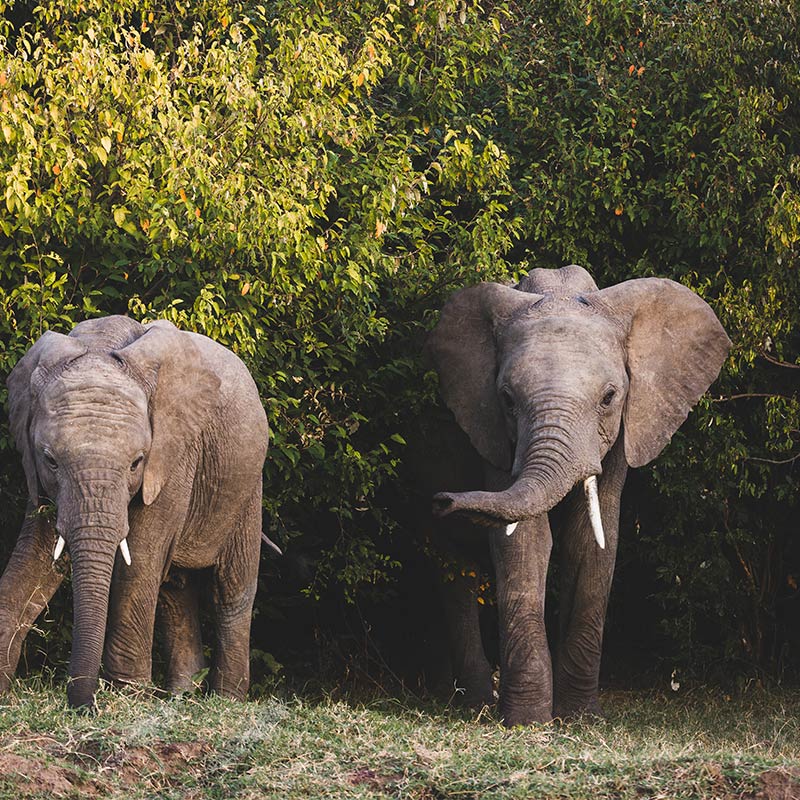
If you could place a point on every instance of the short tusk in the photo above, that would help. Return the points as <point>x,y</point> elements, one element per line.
<point>590,488</point>
<point>60,542</point>
<point>126,554</point>
<point>511,528</point>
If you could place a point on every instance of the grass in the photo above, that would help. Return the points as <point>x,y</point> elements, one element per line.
<point>699,745</point>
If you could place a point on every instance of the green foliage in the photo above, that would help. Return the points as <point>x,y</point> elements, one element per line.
<point>306,183</point>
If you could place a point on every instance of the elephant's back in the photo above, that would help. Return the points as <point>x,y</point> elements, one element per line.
<point>241,414</point>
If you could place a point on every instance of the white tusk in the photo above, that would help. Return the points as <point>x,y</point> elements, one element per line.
<point>590,488</point>
<point>59,548</point>
<point>511,528</point>
<point>126,554</point>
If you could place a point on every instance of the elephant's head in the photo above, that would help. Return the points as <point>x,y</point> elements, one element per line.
<point>544,378</point>
<point>99,416</point>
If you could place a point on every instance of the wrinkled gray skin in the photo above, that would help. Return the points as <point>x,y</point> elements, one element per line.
<point>554,381</point>
<point>152,434</point>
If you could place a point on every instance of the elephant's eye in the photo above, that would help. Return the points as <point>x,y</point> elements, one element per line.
<point>507,398</point>
<point>608,397</point>
<point>136,461</point>
<point>50,461</point>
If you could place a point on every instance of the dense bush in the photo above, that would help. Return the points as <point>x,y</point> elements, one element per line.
<point>306,183</point>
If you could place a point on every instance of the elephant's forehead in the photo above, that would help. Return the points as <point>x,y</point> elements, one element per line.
<point>93,381</point>
<point>575,327</point>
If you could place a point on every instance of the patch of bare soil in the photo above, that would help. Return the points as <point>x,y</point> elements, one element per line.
<point>779,784</point>
<point>376,781</point>
<point>158,764</point>
<point>31,776</point>
<point>161,761</point>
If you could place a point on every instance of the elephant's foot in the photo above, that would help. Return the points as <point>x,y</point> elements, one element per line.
<point>514,715</point>
<point>182,683</point>
<point>121,679</point>
<point>12,635</point>
<point>569,711</point>
<point>231,689</point>
<point>525,707</point>
<point>182,666</point>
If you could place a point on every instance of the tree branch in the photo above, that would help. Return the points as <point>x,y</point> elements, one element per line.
<point>751,394</point>
<point>773,461</point>
<point>778,363</point>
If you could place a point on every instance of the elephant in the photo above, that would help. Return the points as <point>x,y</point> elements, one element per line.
<point>557,388</point>
<point>150,442</point>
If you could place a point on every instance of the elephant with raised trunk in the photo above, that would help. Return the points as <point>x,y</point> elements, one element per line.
<point>150,442</point>
<point>560,387</point>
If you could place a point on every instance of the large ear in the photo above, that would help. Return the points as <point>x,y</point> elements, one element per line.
<point>182,391</point>
<point>462,348</point>
<point>31,372</point>
<point>676,348</point>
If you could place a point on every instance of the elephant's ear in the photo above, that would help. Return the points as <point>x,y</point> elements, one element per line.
<point>463,350</point>
<point>24,382</point>
<point>183,391</point>
<point>676,347</point>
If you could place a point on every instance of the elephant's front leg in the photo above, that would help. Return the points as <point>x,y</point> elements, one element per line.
<point>28,582</point>
<point>128,653</point>
<point>178,616</point>
<point>235,580</point>
<point>585,574</point>
<point>526,678</point>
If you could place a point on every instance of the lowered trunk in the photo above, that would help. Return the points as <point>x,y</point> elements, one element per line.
<point>92,551</point>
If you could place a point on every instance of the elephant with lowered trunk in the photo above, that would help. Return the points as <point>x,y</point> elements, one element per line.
<point>150,441</point>
<point>560,387</point>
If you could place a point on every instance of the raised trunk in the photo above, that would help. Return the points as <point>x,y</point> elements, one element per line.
<point>92,549</point>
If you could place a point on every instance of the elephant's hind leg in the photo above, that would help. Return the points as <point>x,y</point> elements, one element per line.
<point>178,619</point>
<point>472,672</point>
<point>235,578</point>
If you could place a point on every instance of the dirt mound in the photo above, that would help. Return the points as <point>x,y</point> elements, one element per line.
<point>28,773</point>
<point>779,784</point>
<point>157,764</point>
<point>161,760</point>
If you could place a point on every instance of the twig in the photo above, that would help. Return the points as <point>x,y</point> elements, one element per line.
<point>778,363</point>
<point>773,461</point>
<point>751,394</point>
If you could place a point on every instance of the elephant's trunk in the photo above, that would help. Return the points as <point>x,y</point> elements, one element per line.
<point>92,549</point>
<point>545,473</point>
<point>529,496</point>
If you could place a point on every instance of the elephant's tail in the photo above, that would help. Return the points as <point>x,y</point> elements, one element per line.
<point>267,541</point>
